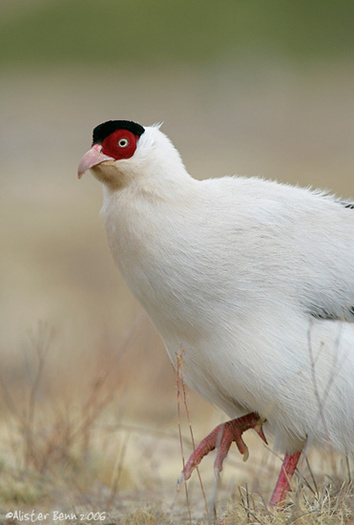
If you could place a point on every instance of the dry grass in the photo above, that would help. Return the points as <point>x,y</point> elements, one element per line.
<point>79,457</point>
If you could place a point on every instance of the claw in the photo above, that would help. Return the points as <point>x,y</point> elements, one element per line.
<point>222,437</point>
<point>180,481</point>
<point>246,455</point>
<point>258,428</point>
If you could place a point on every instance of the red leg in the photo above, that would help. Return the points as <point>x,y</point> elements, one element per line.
<point>222,436</point>
<point>283,484</point>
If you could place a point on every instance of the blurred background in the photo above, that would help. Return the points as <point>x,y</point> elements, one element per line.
<point>246,87</point>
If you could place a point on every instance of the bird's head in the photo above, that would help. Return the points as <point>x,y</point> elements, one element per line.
<point>123,151</point>
<point>112,142</point>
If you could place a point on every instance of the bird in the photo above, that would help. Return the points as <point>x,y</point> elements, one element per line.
<point>251,278</point>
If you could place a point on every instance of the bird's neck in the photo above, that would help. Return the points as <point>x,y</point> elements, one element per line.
<point>158,182</point>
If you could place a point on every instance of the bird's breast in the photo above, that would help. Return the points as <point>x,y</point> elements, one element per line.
<point>158,260</point>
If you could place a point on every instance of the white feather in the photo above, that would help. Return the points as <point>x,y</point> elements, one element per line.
<point>252,279</point>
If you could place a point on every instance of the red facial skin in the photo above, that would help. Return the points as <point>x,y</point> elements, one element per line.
<point>121,144</point>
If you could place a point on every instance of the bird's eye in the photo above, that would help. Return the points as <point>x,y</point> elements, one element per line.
<point>123,143</point>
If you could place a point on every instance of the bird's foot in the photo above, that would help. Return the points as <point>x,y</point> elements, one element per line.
<point>283,484</point>
<point>221,438</point>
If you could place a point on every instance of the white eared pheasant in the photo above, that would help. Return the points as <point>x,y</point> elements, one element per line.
<point>251,279</point>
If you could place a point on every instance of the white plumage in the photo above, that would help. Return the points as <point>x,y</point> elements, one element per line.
<point>252,279</point>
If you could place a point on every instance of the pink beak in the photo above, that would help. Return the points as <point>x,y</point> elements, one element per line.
<point>91,158</point>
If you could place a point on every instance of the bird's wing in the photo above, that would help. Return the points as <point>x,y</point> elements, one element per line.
<point>285,242</point>
<point>349,205</point>
<point>329,292</point>
<point>301,241</point>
